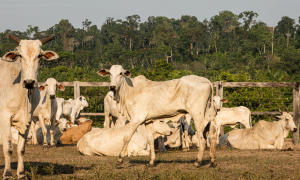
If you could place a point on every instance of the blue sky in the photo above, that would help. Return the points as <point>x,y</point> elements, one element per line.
<point>18,14</point>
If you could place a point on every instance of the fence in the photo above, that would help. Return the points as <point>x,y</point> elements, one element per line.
<point>219,91</point>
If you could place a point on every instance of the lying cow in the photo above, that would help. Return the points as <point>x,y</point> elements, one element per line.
<point>59,129</point>
<point>263,135</point>
<point>46,109</point>
<point>109,141</point>
<point>74,134</point>
<point>70,109</point>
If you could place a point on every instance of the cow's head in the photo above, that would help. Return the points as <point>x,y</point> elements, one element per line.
<point>50,86</point>
<point>62,124</point>
<point>83,102</point>
<point>29,53</point>
<point>116,73</point>
<point>288,122</point>
<point>161,127</point>
<point>216,102</point>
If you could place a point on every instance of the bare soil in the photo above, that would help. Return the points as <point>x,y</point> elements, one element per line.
<point>65,162</point>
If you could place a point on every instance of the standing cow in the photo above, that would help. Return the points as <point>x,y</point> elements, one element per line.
<point>141,100</point>
<point>70,109</point>
<point>19,70</point>
<point>46,109</point>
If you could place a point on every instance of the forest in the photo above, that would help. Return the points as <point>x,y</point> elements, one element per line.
<point>227,47</point>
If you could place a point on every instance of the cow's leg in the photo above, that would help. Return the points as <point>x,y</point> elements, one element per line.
<point>7,146</point>
<point>186,141</point>
<point>21,151</point>
<point>33,132</point>
<point>200,124</point>
<point>52,130</point>
<point>42,123</point>
<point>214,137</point>
<point>150,139</point>
<point>133,126</point>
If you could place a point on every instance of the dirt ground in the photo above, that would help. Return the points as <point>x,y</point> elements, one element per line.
<point>65,162</point>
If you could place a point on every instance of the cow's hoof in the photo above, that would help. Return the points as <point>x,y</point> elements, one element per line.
<point>7,177</point>
<point>119,163</point>
<point>213,164</point>
<point>186,150</point>
<point>45,146</point>
<point>196,164</point>
<point>150,165</point>
<point>23,178</point>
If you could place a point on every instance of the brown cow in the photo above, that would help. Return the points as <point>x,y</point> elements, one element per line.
<point>74,134</point>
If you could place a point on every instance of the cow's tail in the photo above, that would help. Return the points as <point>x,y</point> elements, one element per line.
<point>250,120</point>
<point>211,98</point>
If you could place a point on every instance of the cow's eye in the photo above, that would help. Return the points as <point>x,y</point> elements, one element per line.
<point>121,73</point>
<point>20,56</point>
<point>39,56</point>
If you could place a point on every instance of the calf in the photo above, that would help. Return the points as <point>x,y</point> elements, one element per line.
<point>74,134</point>
<point>70,109</point>
<point>46,109</point>
<point>263,135</point>
<point>109,141</point>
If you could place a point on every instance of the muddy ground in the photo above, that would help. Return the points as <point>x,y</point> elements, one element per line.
<point>65,162</point>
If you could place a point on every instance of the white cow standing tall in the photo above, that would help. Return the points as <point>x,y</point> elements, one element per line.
<point>70,109</point>
<point>46,109</point>
<point>19,70</point>
<point>141,100</point>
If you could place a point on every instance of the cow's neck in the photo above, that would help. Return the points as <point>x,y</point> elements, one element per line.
<point>285,131</point>
<point>78,105</point>
<point>121,94</point>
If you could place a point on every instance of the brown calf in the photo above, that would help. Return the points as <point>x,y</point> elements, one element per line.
<point>74,134</point>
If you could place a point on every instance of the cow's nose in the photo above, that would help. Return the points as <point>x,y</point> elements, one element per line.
<point>29,84</point>
<point>218,110</point>
<point>52,96</point>
<point>295,129</point>
<point>194,133</point>
<point>112,88</point>
<point>171,132</point>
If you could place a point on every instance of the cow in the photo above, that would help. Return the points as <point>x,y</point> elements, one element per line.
<point>19,70</point>
<point>74,134</point>
<point>70,109</point>
<point>263,135</point>
<point>174,140</point>
<point>141,101</point>
<point>14,136</point>
<point>46,109</point>
<point>111,112</point>
<point>109,141</point>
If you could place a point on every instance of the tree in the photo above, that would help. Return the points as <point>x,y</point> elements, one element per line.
<point>286,26</point>
<point>249,19</point>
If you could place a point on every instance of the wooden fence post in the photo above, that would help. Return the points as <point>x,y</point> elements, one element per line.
<point>219,93</point>
<point>76,90</point>
<point>296,112</point>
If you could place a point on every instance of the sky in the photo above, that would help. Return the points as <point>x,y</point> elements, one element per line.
<point>18,14</point>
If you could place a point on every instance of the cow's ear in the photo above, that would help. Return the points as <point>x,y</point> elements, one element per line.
<point>80,98</point>
<point>49,55</point>
<point>11,56</point>
<point>42,87</point>
<point>224,100</point>
<point>60,87</point>
<point>70,123</point>
<point>56,121</point>
<point>103,72</point>
<point>209,100</point>
<point>127,73</point>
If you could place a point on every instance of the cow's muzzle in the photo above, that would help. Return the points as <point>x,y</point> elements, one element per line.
<point>295,130</point>
<point>52,96</point>
<point>218,110</point>
<point>29,84</point>
<point>171,133</point>
<point>112,88</point>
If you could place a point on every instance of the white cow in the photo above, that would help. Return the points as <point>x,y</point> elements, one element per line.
<point>109,141</point>
<point>19,71</point>
<point>46,109</point>
<point>263,135</point>
<point>60,128</point>
<point>141,100</point>
<point>70,109</point>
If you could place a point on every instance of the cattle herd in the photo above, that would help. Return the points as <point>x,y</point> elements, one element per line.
<point>139,114</point>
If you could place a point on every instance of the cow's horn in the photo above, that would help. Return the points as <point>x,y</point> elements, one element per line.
<point>280,110</point>
<point>45,40</point>
<point>14,38</point>
<point>287,110</point>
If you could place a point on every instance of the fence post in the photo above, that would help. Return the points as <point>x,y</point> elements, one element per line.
<point>219,93</point>
<point>76,90</point>
<point>296,112</point>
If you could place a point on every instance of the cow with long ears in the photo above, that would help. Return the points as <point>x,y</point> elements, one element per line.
<point>18,73</point>
<point>46,109</point>
<point>143,101</point>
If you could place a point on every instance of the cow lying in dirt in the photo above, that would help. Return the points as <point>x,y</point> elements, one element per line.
<point>74,134</point>
<point>264,135</point>
<point>109,141</point>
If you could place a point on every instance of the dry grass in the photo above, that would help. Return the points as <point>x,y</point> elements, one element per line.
<point>65,162</point>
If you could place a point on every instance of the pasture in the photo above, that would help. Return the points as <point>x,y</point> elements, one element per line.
<point>65,162</point>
